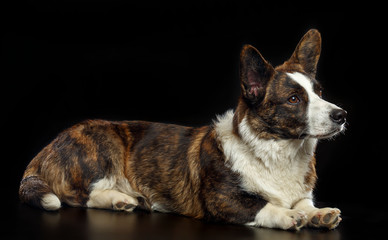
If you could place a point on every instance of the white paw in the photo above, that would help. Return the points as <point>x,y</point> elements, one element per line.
<point>124,202</point>
<point>294,219</point>
<point>50,202</point>
<point>272,216</point>
<point>325,218</point>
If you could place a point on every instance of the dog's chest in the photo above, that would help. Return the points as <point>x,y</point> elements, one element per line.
<point>277,177</point>
<point>274,169</point>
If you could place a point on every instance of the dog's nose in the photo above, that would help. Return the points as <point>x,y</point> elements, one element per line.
<point>338,116</point>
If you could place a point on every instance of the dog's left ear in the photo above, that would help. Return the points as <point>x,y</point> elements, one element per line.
<point>307,52</point>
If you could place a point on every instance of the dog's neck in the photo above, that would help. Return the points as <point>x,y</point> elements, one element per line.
<point>276,151</point>
<point>271,151</point>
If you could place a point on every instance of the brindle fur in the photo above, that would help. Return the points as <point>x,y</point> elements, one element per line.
<point>181,168</point>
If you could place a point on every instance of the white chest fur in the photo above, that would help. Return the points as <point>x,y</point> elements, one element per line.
<point>275,169</point>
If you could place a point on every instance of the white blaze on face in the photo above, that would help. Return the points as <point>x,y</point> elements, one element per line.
<point>319,122</point>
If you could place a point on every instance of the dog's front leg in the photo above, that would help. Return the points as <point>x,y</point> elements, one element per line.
<point>272,216</point>
<point>319,217</point>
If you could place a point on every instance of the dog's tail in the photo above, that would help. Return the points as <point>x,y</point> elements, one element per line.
<point>36,192</point>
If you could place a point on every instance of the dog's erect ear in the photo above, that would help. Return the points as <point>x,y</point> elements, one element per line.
<point>307,52</point>
<point>255,72</point>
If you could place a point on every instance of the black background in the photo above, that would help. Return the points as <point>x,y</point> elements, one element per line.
<point>67,61</point>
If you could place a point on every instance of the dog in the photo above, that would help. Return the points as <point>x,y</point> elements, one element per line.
<point>254,165</point>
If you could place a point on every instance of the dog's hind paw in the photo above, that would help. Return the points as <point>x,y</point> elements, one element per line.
<point>123,206</point>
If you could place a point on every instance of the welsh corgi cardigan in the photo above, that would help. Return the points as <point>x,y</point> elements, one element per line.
<point>254,166</point>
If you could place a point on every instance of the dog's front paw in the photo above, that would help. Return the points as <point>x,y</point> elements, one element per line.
<point>295,220</point>
<point>325,218</point>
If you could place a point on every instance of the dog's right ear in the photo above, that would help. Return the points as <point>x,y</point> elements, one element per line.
<point>255,72</point>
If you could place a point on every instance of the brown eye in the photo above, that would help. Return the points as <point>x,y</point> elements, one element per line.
<point>293,100</point>
<point>320,93</point>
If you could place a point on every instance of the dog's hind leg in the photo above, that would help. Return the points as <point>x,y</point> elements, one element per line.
<point>111,199</point>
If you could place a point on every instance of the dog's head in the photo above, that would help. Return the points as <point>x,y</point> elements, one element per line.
<point>286,102</point>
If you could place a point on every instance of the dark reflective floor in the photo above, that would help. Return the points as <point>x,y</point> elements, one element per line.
<point>77,223</point>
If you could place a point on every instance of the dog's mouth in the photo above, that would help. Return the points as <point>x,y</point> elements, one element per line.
<point>330,134</point>
<point>326,136</point>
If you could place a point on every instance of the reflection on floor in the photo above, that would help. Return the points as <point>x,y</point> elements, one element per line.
<point>78,223</point>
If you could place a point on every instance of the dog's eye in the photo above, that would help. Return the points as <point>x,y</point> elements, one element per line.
<point>320,93</point>
<point>293,100</point>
